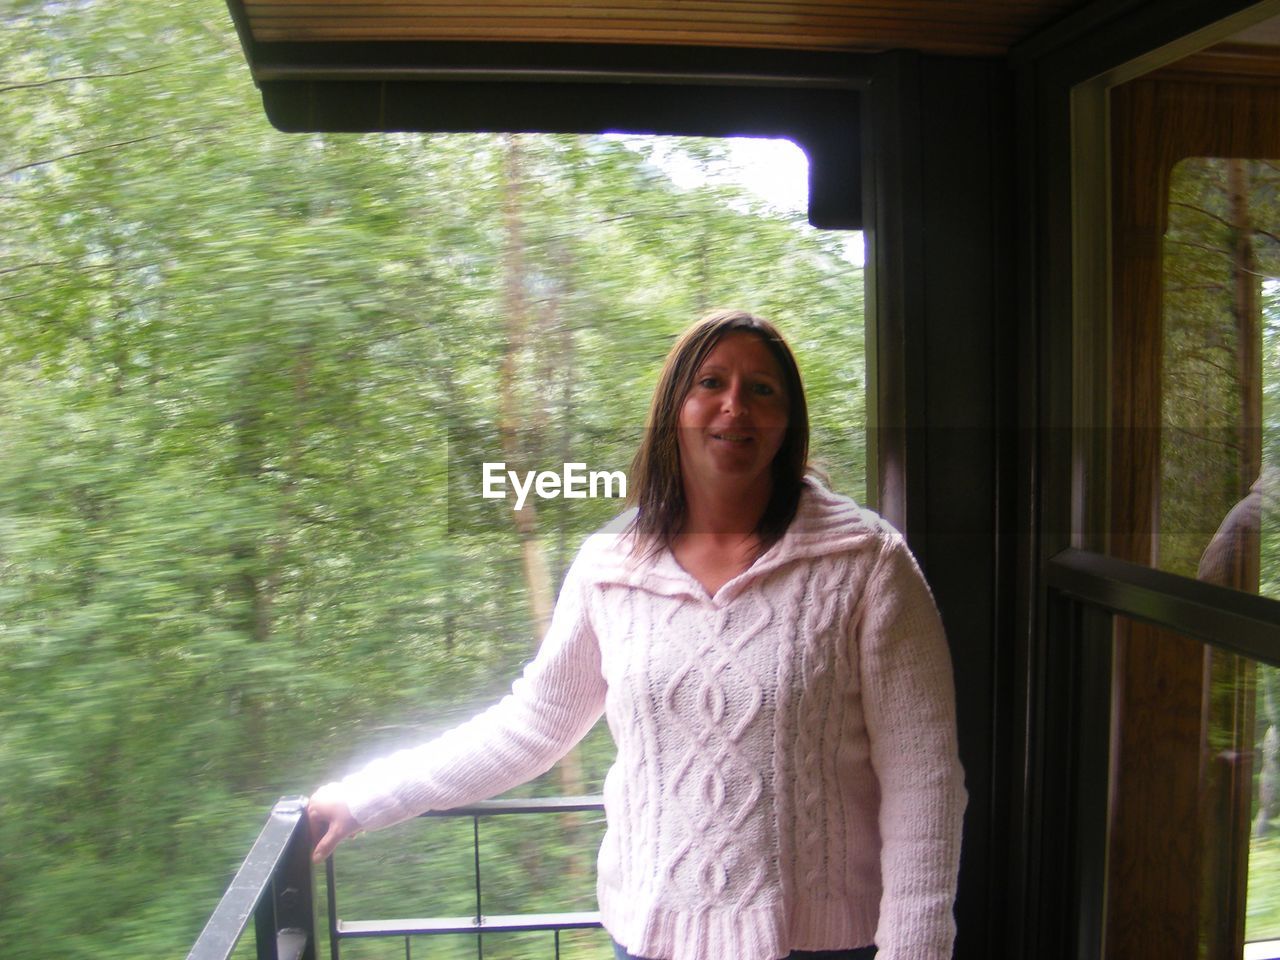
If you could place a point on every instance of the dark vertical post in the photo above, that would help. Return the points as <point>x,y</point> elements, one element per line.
<point>331,884</point>
<point>285,915</point>
<point>940,360</point>
<point>1072,735</point>
<point>294,890</point>
<point>894,296</point>
<point>475,848</point>
<point>1094,631</point>
<point>264,927</point>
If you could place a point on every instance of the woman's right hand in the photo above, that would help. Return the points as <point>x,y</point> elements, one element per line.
<point>330,822</point>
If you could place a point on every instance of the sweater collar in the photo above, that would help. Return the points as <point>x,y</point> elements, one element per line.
<point>825,523</point>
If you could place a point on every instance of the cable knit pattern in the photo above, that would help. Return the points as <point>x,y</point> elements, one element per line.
<point>787,776</point>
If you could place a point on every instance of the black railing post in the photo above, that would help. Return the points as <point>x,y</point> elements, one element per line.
<point>285,918</point>
<point>264,928</point>
<point>331,885</point>
<point>295,897</point>
<point>477,924</point>
<point>475,841</point>
<point>273,888</point>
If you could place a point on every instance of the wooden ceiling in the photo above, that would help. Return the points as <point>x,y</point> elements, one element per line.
<point>958,27</point>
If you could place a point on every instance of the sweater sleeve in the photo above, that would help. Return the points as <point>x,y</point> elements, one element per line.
<point>908,695</point>
<point>550,708</point>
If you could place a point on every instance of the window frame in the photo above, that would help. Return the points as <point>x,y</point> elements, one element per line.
<point>1073,590</point>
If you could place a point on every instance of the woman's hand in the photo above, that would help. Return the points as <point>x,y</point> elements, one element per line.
<point>330,822</point>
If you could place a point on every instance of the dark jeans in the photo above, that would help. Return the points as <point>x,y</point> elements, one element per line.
<point>857,953</point>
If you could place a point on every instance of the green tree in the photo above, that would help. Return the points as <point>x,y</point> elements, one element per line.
<point>246,383</point>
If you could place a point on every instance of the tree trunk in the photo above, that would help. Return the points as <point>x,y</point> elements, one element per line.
<point>1230,695</point>
<point>513,413</point>
<point>517,444</point>
<point>1248,317</point>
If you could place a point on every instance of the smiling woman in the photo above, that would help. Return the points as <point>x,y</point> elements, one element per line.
<point>734,418</point>
<point>730,373</point>
<point>774,675</point>
<point>731,396</point>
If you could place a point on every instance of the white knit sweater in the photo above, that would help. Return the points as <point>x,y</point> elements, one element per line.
<point>787,775</point>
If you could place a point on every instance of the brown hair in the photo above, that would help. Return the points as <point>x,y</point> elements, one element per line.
<point>655,482</point>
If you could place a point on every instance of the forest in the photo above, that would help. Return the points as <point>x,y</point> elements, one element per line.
<point>248,382</point>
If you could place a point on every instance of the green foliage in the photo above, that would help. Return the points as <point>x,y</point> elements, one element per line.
<point>1205,466</point>
<point>1269,579</point>
<point>1201,391</point>
<point>1262,915</point>
<point>246,383</point>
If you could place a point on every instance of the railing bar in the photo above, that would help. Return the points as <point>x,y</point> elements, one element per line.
<point>437,926</point>
<point>240,901</point>
<point>475,835</point>
<point>264,925</point>
<point>284,836</point>
<point>506,805</point>
<point>478,924</point>
<point>293,895</point>
<point>334,931</point>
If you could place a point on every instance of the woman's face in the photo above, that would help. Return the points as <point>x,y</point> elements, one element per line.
<point>734,417</point>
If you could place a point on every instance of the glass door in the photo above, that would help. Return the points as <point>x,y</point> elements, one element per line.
<point>1175,582</point>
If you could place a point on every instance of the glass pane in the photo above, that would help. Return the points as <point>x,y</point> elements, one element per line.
<point>1194,349</point>
<point>1195,827</point>
<point>1262,918</point>
<point>1220,442</point>
<point>1192,487</point>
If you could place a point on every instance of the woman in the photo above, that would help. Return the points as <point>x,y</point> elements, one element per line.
<point>774,675</point>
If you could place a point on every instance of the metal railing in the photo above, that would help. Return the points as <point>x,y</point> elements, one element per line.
<point>479,923</point>
<point>274,887</point>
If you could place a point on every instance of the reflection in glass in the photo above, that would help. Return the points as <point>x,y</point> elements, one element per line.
<point>1219,502</point>
<point>1221,419</point>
